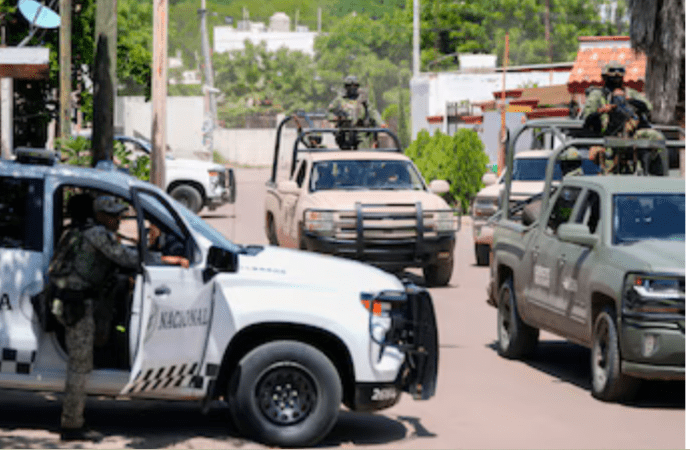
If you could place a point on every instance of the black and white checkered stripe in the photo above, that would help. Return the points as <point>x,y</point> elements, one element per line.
<point>174,376</point>
<point>17,361</point>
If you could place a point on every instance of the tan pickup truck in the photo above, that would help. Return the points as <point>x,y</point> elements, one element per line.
<point>368,204</point>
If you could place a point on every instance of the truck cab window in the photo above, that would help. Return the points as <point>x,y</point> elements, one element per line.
<point>21,213</point>
<point>301,172</point>
<point>562,208</point>
<point>165,233</point>
<point>589,212</point>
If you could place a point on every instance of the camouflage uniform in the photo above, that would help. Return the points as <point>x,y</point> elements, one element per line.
<point>622,127</point>
<point>571,163</point>
<point>351,109</point>
<point>85,258</point>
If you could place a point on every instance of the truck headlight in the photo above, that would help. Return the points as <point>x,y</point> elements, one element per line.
<point>213,177</point>
<point>654,294</point>
<point>321,222</point>
<point>484,207</point>
<point>443,221</point>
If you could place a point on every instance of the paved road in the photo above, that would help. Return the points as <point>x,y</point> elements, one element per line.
<point>482,401</point>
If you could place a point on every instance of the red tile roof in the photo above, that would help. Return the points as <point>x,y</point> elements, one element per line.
<point>590,60</point>
<point>527,101</point>
<point>473,119</point>
<point>510,93</point>
<point>556,94</point>
<point>548,112</point>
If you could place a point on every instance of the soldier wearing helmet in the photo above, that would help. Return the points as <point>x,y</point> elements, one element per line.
<point>571,163</point>
<point>85,258</point>
<point>614,110</point>
<point>350,109</point>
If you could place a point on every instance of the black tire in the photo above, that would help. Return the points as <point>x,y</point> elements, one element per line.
<point>481,252</point>
<point>271,230</point>
<point>608,382</point>
<point>439,274</point>
<point>516,339</point>
<point>189,196</point>
<point>261,405</point>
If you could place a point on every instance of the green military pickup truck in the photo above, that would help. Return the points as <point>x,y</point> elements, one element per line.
<point>602,264</point>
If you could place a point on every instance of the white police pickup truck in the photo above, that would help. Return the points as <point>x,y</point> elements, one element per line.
<point>283,336</point>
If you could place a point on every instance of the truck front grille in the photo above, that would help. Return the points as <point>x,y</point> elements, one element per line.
<point>384,222</point>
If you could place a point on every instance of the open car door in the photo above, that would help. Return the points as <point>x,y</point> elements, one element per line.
<point>171,309</point>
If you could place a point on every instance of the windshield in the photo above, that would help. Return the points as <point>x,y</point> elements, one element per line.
<point>203,228</point>
<point>366,174</point>
<point>534,169</point>
<point>648,216</point>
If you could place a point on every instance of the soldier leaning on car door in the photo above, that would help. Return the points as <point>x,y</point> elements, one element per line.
<point>84,259</point>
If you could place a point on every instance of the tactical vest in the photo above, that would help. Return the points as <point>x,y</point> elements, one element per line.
<point>63,265</point>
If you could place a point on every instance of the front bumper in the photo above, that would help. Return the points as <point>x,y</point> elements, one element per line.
<point>388,254</point>
<point>223,192</point>
<point>653,349</point>
<point>414,332</point>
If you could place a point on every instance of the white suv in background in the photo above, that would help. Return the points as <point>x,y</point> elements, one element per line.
<point>192,182</point>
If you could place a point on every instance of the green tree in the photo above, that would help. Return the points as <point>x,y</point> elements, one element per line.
<point>39,104</point>
<point>255,80</point>
<point>459,159</point>
<point>376,51</point>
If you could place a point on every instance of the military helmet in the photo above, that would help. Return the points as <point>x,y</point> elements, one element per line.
<point>570,154</point>
<point>109,205</point>
<point>613,68</point>
<point>350,80</point>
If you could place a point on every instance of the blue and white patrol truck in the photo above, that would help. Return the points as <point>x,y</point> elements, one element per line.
<point>283,336</point>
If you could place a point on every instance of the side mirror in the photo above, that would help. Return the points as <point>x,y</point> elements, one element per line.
<point>232,185</point>
<point>577,233</point>
<point>489,178</point>
<point>220,260</point>
<point>439,186</point>
<point>288,187</point>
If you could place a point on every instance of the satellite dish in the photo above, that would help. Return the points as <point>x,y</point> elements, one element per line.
<point>38,14</point>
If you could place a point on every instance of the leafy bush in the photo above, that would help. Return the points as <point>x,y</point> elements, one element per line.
<point>458,159</point>
<point>76,151</point>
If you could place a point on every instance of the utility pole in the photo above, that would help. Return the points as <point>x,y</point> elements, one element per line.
<point>65,67</point>
<point>106,23</point>
<point>415,38</point>
<point>209,90</point>
<point>159,91</point>
<point>503,145</point>
<point>547,31</point>
<point>318,20</point>
<point>102,137</point>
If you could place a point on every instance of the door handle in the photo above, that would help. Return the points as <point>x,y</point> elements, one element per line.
<point>162,290</point>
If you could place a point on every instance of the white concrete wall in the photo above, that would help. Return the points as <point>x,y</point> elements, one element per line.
<point>251,147</point>
<point>184,119</point>
<point>227,38</point>
<point>431,91</point>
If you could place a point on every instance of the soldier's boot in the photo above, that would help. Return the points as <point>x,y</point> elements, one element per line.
<point>80,434</point>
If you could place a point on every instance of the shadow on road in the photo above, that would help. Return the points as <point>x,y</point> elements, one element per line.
<point>31,420</point>
<point>369,429</point>
<point>570,364</point>
<point>208,216</point>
